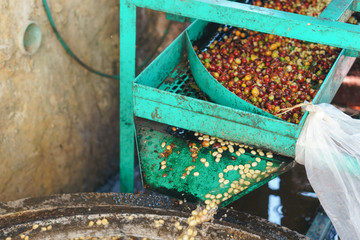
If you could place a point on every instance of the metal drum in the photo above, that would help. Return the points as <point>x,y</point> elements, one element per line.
<point>124,216</point>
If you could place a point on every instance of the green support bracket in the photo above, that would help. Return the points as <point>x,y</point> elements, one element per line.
<point>177,18</point>
<point>356,6</point>
<point>127,76</point>
<point>352,53</point>
<point>338,10</point>
<point>266,20</point>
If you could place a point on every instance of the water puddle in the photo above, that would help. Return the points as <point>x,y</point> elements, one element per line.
<point>287,200</point>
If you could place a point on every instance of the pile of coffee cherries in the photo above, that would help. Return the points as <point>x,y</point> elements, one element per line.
<point>304,7</point>
<point>271,72</point>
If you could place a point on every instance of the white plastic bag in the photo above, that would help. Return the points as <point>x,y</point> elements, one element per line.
<point>329,147</point>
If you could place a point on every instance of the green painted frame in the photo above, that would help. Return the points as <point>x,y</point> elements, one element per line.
<point>215,119</point>
<point>146,101</point>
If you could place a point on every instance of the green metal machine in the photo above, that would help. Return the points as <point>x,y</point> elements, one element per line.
<point>165,94</point>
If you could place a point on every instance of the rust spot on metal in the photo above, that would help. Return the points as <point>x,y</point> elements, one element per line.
<point>181,98</point>
<point>155,114</point>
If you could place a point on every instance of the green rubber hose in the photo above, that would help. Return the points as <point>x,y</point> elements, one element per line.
<point>78,60</point>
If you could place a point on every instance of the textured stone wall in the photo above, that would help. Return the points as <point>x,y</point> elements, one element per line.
<point>58,122</point>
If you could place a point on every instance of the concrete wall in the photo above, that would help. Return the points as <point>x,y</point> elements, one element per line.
<point>58,122</point>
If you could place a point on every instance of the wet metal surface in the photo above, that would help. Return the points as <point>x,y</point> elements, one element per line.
<point>175,180</point>
<point>69,216</point>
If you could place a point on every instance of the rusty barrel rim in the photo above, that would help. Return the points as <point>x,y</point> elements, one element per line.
<point>29,210</point>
